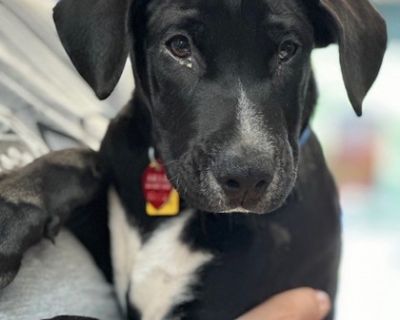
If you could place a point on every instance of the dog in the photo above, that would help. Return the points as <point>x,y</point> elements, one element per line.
<point>223,101</point>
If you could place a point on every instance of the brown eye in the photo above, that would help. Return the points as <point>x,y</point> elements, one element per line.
<point>180,47</point>
<point>287,50</point>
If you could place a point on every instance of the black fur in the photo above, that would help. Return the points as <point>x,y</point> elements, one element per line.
<point>189,115</point>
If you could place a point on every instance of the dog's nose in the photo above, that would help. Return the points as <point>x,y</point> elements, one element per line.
<point>244,179</point>
<point>246,184</point>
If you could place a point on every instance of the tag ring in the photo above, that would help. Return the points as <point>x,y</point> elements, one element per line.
<point>152,155</point>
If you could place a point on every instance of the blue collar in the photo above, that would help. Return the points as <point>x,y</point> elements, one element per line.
<point>305,136</point>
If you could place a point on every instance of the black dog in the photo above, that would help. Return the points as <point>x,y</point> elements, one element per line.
<point>224,93</point>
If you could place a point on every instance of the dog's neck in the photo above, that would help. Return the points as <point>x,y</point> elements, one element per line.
<point>124,152</point>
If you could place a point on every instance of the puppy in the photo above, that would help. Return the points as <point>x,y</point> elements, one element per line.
<point>224,95</point>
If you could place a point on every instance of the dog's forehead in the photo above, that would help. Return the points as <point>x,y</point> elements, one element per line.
<point>210,10</point>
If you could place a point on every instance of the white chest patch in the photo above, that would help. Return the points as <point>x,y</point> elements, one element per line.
<point>157,273</point>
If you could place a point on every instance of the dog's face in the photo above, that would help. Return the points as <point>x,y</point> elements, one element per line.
<point>228,83</point>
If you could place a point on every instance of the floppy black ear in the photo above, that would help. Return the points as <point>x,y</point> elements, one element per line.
<point>362,37</point>
<point>95,35</point>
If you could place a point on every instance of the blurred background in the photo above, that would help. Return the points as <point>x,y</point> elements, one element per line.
<point>38,113</point>
<point>364,155</point>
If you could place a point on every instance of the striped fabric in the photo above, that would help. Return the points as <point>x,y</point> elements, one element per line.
<point>44,104</point>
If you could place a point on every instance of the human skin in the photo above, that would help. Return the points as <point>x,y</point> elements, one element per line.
<point>298,304</point>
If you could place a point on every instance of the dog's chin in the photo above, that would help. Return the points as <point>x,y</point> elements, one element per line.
<point>256,208</point>
<point>220,205</point>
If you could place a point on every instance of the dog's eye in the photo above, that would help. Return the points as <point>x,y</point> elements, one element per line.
<point>287,50</point>
<point>179,46</point>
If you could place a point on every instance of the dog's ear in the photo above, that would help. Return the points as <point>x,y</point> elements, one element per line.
<point>361,34</point>
<point>94,33</point>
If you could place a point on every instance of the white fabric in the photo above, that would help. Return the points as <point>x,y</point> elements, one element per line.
<point>39,85</point>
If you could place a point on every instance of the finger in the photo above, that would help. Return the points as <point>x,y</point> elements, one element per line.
<point>299,304</point>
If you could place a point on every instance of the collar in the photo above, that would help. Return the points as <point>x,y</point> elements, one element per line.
<point>305,136</point>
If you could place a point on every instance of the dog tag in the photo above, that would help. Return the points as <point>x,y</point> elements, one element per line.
<point>161,198</point>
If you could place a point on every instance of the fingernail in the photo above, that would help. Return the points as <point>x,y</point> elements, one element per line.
<point>324,303</point>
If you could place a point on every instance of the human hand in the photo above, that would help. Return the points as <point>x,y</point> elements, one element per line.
<point>298,304</point>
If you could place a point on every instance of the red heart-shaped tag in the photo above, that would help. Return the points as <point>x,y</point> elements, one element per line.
<point>156,186</point>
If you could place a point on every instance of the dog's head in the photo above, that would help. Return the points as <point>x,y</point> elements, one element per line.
<point>228,83</point>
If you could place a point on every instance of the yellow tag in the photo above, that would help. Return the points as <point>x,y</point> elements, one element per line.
<point>169,209</point>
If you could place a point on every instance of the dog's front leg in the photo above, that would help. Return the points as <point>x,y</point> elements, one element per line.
<point>37,199</point>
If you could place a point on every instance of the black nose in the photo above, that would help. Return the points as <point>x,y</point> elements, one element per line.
<point>244,179</point>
